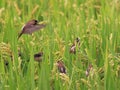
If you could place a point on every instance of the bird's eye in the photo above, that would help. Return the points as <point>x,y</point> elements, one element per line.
<point>35,21</point>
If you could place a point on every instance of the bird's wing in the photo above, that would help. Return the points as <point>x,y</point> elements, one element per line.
<point>33,28</point>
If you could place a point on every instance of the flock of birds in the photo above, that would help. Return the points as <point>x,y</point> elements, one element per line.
<point>32,26</point>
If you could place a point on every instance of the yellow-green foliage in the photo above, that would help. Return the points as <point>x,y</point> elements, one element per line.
<point>95,22</point>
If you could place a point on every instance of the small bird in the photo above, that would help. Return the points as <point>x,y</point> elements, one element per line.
<point>30,27</point>
<point>87,72</point>
<point>38,56</point>
<point>61,67</point>
<point>73,47</point>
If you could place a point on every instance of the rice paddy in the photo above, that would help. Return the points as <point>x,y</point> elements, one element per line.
<point>79,49</point>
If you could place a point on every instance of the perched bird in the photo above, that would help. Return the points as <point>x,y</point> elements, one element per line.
<point>61,67</point>
<point>87,72</point>
<point>30,27</point>
<point>73,47</point>
<point>38,56</point>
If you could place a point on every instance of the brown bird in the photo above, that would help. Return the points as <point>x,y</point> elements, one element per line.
<point>30,27</point>
<point>73,47</point>
<point>87,72</point>
<point>38,56</point>
<point>61,67</point>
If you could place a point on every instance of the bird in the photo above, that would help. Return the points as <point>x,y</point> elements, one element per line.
<point>30,27</point>
<point>73,47</point>
<point>61,67</point>
<point>87,72</point>
<point>38,56</point>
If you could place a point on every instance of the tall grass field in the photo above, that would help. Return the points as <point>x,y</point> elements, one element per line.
<point>94,66</point>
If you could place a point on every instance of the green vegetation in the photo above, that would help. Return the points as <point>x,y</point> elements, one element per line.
<point>95,22</point>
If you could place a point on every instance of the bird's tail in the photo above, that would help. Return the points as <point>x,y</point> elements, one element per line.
<point>20,35</point>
